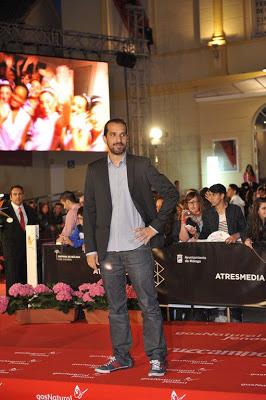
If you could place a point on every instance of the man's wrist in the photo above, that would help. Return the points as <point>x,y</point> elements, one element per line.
<point>155,231</point>
<point>91,253</point>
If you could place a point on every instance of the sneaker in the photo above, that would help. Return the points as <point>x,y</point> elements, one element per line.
<point>113,365</point>
<point>157,368</point>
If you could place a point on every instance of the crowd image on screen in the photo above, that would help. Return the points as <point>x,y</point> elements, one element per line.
<point>40,111</point>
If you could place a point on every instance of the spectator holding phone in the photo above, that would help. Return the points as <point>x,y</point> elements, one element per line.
<point>191,220</point>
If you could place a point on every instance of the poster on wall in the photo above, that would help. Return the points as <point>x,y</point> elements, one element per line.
<point>52,104</point>
<point>226,152</point>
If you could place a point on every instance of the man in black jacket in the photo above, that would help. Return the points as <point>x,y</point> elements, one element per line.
<point>13,236</point>
<point>222,216</point>
<point>120,227</point>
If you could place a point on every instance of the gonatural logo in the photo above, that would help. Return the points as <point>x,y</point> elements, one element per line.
<point>174,396</point>
<point>78,394</point>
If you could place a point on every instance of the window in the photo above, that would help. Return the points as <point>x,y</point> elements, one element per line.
<point>259,12</point>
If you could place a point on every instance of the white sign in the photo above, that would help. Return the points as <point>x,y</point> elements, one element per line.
<point>32,234</point>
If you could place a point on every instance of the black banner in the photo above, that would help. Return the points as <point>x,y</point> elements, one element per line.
<point>66,264</point>
<point>207,273</point>
<point>200,273</point>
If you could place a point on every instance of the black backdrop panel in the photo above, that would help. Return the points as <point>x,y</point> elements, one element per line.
<point>66,264</point>
<point>212,274</point>
<point>188,273</point>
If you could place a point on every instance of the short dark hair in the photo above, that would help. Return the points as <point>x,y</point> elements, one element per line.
<point>234,187</point>
<point>80,211</point>
<point>261,190</point>
<point>218,188</point>
<point>115,121</point>
<point>67,195</point>
<point>16,187</point>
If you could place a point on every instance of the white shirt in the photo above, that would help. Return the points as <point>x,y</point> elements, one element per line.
<point>223,223</point>
<point>42,133</point>
<point>11,132</point>
<point>236,199</point>
<point>16,209</point>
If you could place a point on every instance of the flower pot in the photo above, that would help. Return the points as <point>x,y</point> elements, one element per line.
<point>97,316</point>
<point>135,317</point>
<point>45,316</point>
<point>101,316</point>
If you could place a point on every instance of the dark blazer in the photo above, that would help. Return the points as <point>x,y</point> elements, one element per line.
<point>97,212</point>
<point>234,217</point>
<point>13,239</point>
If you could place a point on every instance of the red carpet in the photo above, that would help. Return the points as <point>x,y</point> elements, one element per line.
<point>206,362</point>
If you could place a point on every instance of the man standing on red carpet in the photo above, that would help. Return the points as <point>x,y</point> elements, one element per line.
<point>120,227</point>
<point>13,236</point>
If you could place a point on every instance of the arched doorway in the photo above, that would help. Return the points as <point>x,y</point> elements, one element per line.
<point>260,143</point>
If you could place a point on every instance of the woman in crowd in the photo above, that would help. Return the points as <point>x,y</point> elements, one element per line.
<point>261,192</point>
<point>249,175</point>
<point>234,198</point>
<point>255,233</point>
<point>45,220</point>
<point>5,91</point>
<point>78,132</point>
<point>191,220</point>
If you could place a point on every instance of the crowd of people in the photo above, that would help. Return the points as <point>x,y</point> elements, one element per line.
<point>197,215</point>
<point>59,220</point>
<point>228,211</point>
<point>214,213</point>
<point>220,214</point>
<point>38,110</point>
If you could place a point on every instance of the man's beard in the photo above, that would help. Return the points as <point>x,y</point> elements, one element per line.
<point>118,150</point>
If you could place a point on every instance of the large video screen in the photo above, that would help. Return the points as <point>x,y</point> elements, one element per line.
<point>52,104</point>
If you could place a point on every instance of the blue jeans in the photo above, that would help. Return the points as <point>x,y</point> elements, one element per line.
<point>139,265</point>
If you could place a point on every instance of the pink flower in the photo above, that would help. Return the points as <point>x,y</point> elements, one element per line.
<point>87,298</point>
<point>94,289</point>
<point>63,295</point>
<point>101,287</point>
<point>84,287</point>
<point>130,291</point>
<point>40,289</point>
<point>78,294</point>
<point>21,290</point>
<point>3,304</point>
<point>60,286</point>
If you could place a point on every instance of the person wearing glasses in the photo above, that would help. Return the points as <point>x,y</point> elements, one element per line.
<point>191,219</point>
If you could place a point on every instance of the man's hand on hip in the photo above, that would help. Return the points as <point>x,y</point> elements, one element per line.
<point>144,235</point>
<point>93,261</point>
